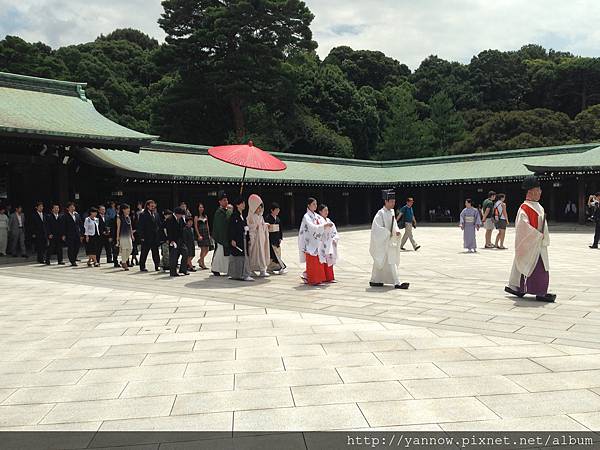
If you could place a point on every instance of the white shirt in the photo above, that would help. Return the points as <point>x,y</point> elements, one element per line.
<point>41,214</point>
<point>90,226</point>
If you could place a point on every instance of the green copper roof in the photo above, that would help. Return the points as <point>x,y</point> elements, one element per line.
<point>183,162</point>
<point>40,108</point>
<point>581,162</point>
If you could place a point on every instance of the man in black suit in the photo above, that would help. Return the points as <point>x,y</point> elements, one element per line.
<point>148,232</point>
<point>55,233</point>
<point>174,227</point>
<point>38,232</point>
<point>105,240</point>
<point>72,232</point>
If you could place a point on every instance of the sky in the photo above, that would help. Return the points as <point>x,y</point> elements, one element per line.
<point>408,30</point>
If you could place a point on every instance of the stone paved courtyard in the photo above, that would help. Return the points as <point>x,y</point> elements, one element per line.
<point>100,349</point>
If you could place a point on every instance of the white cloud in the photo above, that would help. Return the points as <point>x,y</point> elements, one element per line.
<point>408,30</point>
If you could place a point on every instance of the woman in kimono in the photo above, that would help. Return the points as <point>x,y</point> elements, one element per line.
<point>310,238</point>
<point>238,240</point>
<point>328,248</point>
<point>470,221</point>
<point>259,252</point>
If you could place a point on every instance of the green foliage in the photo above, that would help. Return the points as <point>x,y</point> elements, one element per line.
<point>236,70</point>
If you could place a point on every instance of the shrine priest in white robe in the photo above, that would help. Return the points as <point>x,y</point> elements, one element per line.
<point>530,270</point>
<point>385,245</point>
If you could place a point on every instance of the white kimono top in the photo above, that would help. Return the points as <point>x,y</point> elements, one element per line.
<point>310,236</point>
<point>329,249</point>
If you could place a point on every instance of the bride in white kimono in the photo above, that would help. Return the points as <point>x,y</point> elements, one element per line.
<point>385,245</point>
<point>259,252</point>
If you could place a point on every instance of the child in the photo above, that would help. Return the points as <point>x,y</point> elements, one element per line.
<point>470,221</point>
<point>329,243</point>
<point>164,246</point>
<point>188,237</point>
<point>275,238</point>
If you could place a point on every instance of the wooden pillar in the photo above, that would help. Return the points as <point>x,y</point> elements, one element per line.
<point>423,204</point>
<point>581,199</point>
<point>175,194</point>
<point>369,204</point>
<point>346,207</point>
<point>63,184</point>
<point>552,202</point>
<point>292,209</point>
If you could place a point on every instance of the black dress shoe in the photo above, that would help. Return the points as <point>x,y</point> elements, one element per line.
<point>60,263</point>
<point>549,298</point>
<point>157,269</point>
<point>216,274</point>
<point>513,292</point>
<point>143,270</point>
<point>593,246</point>
<point>175,275</point>
<point>73,264</point>
<point>46,262</point>
<point>375,284</point>
<point>402,286</point>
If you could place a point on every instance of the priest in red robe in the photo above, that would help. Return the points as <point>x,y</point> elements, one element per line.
<point>530,270</point>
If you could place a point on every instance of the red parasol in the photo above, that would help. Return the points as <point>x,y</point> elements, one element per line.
<point>247,156</point>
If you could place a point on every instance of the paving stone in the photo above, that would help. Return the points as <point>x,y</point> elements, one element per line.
<point>557,381</point>
<point>384,373</point>
<point>345,393</point>
<point>110,409</point>
<point>232,401</point>
<point>61,394</point>
<point>337,360</point>
<point>237,366</point>
<point>405,412</point>
<point>461,387</point>
<point>287,378</point>
<point>17,415</point>
<point>188,385</point>
<point>163,372</point>
<point>490,367</point>
<point>542,403</point>
<point>538,423</point>
<point>305,418</point>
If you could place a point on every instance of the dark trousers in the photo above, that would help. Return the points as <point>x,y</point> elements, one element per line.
<point>146,248</point>
<point>40,248</point>
<point>174,254</point>
<point>55,245</point>
<point>73,250</point>
<point>103,243</point>
<point>115,253</point>
<point>597,234</point>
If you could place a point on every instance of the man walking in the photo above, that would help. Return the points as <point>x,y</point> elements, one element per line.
<point>384,245</point>
<point>220,231</point>
<point>488,218</point>
<point>174,228</point>
<point>73,233</point>
<point>105,239</point>
<point>406,217</point>
<point>530,270</point>
<point>39,232</point>
<point>595,217</point>
<point>55,228</point>
<point>148,230</point>
<point>16,232</point>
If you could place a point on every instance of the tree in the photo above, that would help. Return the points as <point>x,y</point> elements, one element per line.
<point>236,46</point>
<point>435,75</point>
<point>501,78</point>
<point>403,133</point>
<point>587,124</point>
<point>367,67</point>
<point>447,126</point>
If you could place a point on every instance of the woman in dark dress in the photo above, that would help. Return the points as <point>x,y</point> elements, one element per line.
<point>203,234</point>
<point>135,218</point>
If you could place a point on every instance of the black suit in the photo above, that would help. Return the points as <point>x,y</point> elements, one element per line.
<point>55,229</point>
<point>73,235</point>
<point>39,235</point>
<point>104,239</point>
<point>148,232</point>
<point>174,228</point>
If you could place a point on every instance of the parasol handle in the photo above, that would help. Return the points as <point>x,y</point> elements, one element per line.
<point>243,179</point>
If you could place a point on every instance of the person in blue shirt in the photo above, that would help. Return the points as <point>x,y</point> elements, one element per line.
<point>406,220</point>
